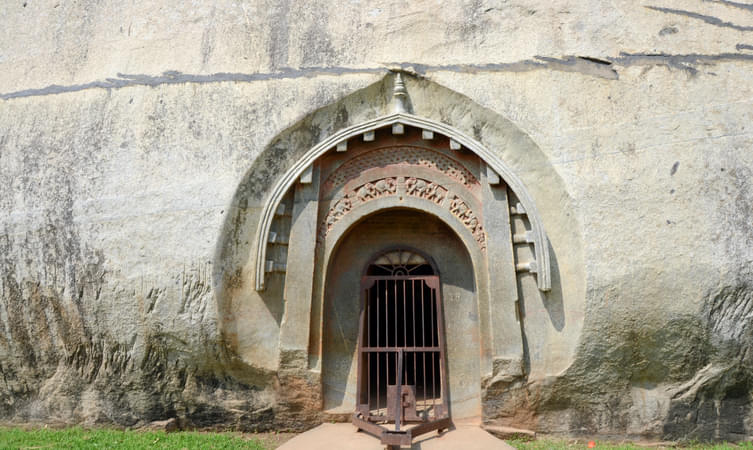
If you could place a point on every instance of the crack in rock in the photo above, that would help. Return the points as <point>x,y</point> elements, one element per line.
<point>711,20</point>
<point>587,65</point>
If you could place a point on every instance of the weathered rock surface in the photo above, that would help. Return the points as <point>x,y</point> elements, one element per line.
<point>127,132</point>
<point>686,378</point>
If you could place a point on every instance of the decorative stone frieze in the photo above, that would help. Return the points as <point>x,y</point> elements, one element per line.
<point>379,188</point>
<point>460,209</point>
<point>425,189</point>
<point>414,187</point>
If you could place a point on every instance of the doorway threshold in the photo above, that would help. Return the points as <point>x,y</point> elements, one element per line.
<point>342,436</point>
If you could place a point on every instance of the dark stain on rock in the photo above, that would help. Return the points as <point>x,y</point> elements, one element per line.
<point>745,6</point>
<point>583,65</point>
<point>596,60</point>
<point>58,363</point>
<point>713,405</point>
<point>341,118</point>
<point>673,170</point>
<point>594,394</point>
<point>711,20</point>
<point>278,41</point>
<point>668,30</point>
<point>207,39</point>
<point>317,44</point>
<point>48,339</point>
<point>588,65</point>
<point>735,213</point>
<point>705,364</point>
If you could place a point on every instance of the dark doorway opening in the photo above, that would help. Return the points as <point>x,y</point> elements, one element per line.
<point>401,376</point>
<point>402,314</point>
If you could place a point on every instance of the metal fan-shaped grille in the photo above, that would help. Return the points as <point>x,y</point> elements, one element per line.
<point>400,262</point>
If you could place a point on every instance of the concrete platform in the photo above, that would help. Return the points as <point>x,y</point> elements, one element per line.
<point>343,436</point>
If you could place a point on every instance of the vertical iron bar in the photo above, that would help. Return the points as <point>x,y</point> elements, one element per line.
<point>388,364</point>
<point>405,322</point>
<point>399,396</point>
<point>368,354</point>
<point>423,340</point>
<point>386,380</point>
<point>433,386</point>
<point>363,300</point>
<point>377,353</point>
<point>444,390</point>
<point>367,326</point>
<point>386,315</point>
<point>395,281</point>
<point>377,314</point>
<point>432,321</point>
<point>433,373</point>
<point>413,318</point>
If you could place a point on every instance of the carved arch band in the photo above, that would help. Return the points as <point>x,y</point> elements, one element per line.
<point>538,238</point>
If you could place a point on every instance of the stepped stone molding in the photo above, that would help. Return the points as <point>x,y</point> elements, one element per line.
<point>293,174</point>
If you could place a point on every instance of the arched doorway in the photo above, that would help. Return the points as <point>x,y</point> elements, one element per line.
<point>401,344</point>
<point>354,258</point>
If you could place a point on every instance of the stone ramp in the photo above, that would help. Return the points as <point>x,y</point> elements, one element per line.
<point>343,436</point>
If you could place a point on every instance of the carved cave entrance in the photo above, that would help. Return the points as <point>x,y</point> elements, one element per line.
<point>401,348</point>
<point>408,191</point>
<point>400,183</point>
<point>385,291</point>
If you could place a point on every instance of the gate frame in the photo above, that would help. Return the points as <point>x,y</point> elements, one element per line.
<point>398,437</point>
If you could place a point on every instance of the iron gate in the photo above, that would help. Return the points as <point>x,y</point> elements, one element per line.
<point>401,357</point>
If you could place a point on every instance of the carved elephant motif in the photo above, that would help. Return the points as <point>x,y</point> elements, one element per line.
<point>415,186</point>
<point>385,186</point>
<point>366,192</point>
<point>435,193</point>
<point>458,207</point>
<point>480,238</point>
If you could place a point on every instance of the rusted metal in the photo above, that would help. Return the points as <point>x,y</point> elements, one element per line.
<point>404,437</point>
<point>401,350</point>
<point>399,391</point>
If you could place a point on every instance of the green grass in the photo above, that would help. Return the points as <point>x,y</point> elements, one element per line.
<point>16,438</point>
<point>554,444</point>
<point>40,438</point>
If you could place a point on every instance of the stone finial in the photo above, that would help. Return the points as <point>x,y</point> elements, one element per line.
<point>400,94</point>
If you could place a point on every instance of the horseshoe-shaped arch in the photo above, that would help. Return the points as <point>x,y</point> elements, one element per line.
<point>538,234</point>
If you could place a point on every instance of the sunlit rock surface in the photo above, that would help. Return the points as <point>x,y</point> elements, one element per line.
<point>127,133</point>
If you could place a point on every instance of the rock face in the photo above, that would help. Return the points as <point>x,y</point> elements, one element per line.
<point>138,143</point>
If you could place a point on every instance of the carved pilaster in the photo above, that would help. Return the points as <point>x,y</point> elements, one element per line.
<point>506,336</point>
<point>294,328</point>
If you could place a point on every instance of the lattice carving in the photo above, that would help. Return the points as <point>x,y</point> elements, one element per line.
<point>404,155</point>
